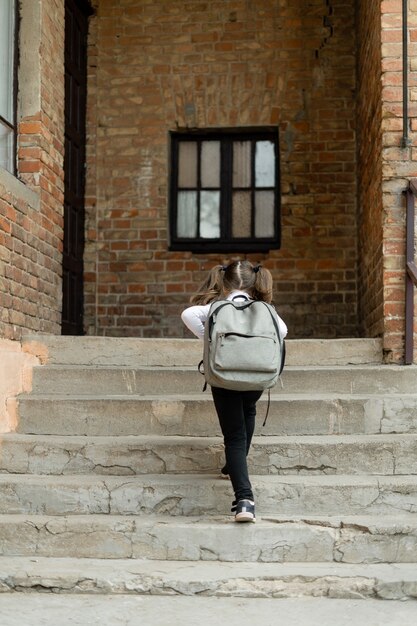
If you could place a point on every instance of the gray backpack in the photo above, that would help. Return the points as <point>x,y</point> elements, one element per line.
<point>243,348</point>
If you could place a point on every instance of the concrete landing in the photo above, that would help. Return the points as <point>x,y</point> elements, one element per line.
<point>71,610</point>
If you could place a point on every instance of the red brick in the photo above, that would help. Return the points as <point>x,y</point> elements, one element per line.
<point>391,6</point>
<point>29,166</point>
<point>30,128</point>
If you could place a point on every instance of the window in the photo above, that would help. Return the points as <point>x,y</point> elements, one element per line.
<point>8,68</point>
<point>224,193</point>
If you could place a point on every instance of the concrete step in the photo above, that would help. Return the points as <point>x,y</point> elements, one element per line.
<point>69,609</point>
<point>358,380</point>
<point>278,539</point>
<point>255,580</point>
<point>134,352</point>
<point>171,494</point>
<point>194,414</point>
<point>334,454</point>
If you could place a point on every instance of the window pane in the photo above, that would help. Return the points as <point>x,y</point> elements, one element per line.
<point>6,148</point>
<point>210,214</point>
<point>187,164</point>
<point>241,214</point>
<point>264,164</point>
<point>210,164</point>
<point>187,214</point>
<point>241,164</point>
<point>6,59</point>
<point>264,214</point>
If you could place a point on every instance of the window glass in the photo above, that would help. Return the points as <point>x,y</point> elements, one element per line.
<point>7,53</point>
<point>6,147</point>
<point>264,164</point>
<point>242,164</point>
<point>187,164</point>
<point>210,214</point>
<point>241,217</point>
<point>210,164</point>
<point>187,214</point>
<point>6,59</point>
<point>264,213</point>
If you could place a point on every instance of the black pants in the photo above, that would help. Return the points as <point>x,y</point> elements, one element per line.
<point>236,411</point>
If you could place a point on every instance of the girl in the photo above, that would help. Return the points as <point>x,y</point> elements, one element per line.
<point>236,410</point>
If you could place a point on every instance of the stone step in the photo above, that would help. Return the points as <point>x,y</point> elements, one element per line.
<point>133,352</point>
<point>278,539</point>
<point>255,580</point>
<point>358,380</point>
<point>132,455</point>
<point>71,609</point>
<point>194,414</point>
<point>195,495</point>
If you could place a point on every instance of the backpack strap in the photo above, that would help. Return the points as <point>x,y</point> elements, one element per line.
<point>267,408</point>
<point>283,346</point>
<point>202,372</point>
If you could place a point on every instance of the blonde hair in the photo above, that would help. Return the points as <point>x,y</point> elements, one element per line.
<point>222,280</point>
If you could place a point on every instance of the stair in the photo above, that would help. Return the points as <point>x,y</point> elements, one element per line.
<point>110,484</point>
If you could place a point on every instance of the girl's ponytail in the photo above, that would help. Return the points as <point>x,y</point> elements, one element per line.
<point>223,279</point>
<point>263,287</point>
<point>210,289</point>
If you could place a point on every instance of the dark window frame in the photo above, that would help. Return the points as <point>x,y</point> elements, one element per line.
<point>12,125</point>
<point>226,242</point>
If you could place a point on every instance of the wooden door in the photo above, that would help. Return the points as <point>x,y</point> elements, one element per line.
<point>76,28</point>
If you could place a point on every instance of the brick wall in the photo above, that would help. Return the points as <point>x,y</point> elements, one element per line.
<point>398,165</point>
<point>413,113</point>
<point>369,134</point>
<point>158,65</point>
<point>32,223</point>
<point>384,167</point>
<point>18,283</point>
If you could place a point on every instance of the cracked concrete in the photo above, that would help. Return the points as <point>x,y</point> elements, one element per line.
<point>357,380</point>
<point>366,454</point>
<point>290,414</point>
<point>261,580</point>
<point>181,494</point>
<point>400,415</point>
<point>89,350</point>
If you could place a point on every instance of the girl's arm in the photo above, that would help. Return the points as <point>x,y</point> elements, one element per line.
<point>194,318</point>
<point>282,327</point>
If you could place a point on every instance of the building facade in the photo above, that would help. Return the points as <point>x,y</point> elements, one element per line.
<point>106,104</point>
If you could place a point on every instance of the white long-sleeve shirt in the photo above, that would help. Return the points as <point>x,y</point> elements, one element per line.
<point>194,317</point>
